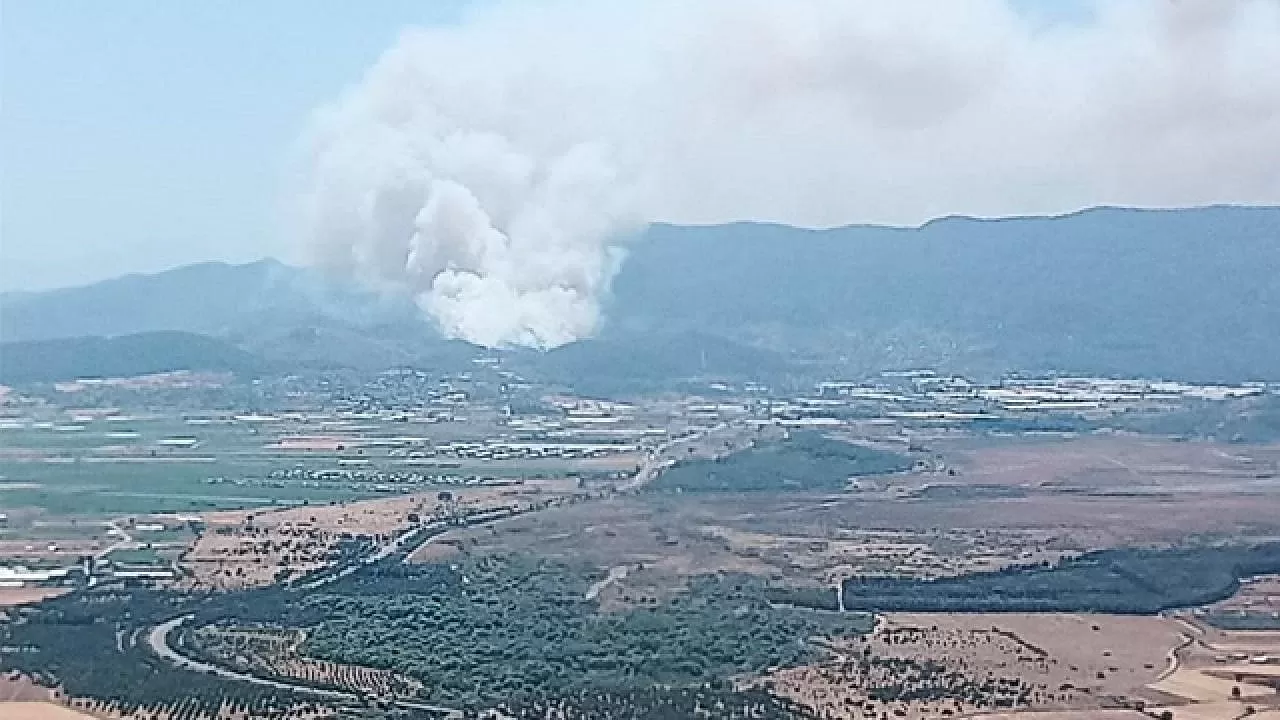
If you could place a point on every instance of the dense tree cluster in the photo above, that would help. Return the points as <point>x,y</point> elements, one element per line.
<point>806,461</point>
<point>1120,580</point>
<point>504,627</point>
<point>654,703</point>
<point>93,650</point>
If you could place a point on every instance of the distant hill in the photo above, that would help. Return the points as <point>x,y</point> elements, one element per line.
<point>124,356</point>
<point>206,297</point>
<point>213,298</point>
<point>1178,293</point>
<point>1187,293</point>
<point>280,312</point>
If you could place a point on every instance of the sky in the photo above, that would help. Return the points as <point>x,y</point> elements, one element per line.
<point>139,135</point>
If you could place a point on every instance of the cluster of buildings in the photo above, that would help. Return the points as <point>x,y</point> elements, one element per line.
<point>923,397</point>
<point>87,571</point>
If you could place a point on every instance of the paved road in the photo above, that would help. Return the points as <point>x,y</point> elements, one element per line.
<point>408,557</point>
<point>125,541</point>
<point>158,639</point>
<point>382,553</point>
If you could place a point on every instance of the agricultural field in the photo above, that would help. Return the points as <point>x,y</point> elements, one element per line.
<point>78,482</point>
<point>19,596</point>
<point>724,566</point>
<point>133,465</point>
<point>24,710</point>
<point>941,665</point>
<point>1256,606</point>
<point>167,464</point>
<point>277,654</point>
<point>892,526</point>
<point>1115,464</point>
<point>663,542</point>
<point>241,549</point>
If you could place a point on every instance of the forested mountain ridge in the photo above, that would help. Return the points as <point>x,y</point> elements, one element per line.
<point>1192,294</point>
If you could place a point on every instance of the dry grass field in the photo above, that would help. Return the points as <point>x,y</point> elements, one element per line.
<point>1056,662</point>
<point>1065,715</point>
<point>17,688</point>
<point>1215,711</point>
<point>1118,462</point>
<point>816,539</point>
<point>13,597</point>
<point>39,711</point>
<point>1214,679</point>
<point>241,548</point>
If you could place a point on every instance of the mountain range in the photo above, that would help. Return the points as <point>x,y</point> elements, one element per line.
<point>1190,293</point>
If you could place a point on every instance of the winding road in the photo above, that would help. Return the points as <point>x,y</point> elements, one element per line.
<point>158,640</point>
<point>158,636</point>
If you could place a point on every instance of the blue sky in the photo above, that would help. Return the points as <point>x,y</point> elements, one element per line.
<point>137,135</point>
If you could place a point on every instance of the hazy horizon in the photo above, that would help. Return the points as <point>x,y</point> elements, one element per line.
<point>293,262</point>
<point>197,121</point>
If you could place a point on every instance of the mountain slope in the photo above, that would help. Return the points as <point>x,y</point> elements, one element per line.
<point>205,297</point>
<point>1193,293</point>
<point>213,298</point>
<point>1181,293</point>
<point>123,356</point>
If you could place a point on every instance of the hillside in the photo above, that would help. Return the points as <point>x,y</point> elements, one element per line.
<point>206,297</point>
<point>1187,293</point>
<point>1191,293</point>
<point>212,298</point>
<point>124,356</point>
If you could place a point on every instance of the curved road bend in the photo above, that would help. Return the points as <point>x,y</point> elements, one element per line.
<point>158,639</point>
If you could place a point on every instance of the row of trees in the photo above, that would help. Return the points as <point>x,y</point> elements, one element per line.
<point>654,703</point>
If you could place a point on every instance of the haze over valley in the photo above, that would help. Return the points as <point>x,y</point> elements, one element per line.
<point>650,359</point>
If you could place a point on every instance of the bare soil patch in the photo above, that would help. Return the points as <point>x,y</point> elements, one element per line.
<point>1035,661</point>
<point>23,710</point>
<point>13,597</point>
<point>1066,715</point>
<point>1121,461</point>
<point>242,549</point>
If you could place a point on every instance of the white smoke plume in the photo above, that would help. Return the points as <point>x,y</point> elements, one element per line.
<point>493,167</point>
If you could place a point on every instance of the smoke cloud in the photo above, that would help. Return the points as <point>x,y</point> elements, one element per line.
<point>494,168</point>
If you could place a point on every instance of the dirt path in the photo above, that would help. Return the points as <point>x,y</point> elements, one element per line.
<point>616,573</point>
<point>1173,660</point>
<point>117,530</point>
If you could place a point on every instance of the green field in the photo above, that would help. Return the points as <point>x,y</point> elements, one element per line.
<point>131,466</point>
<point>98,471</point>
